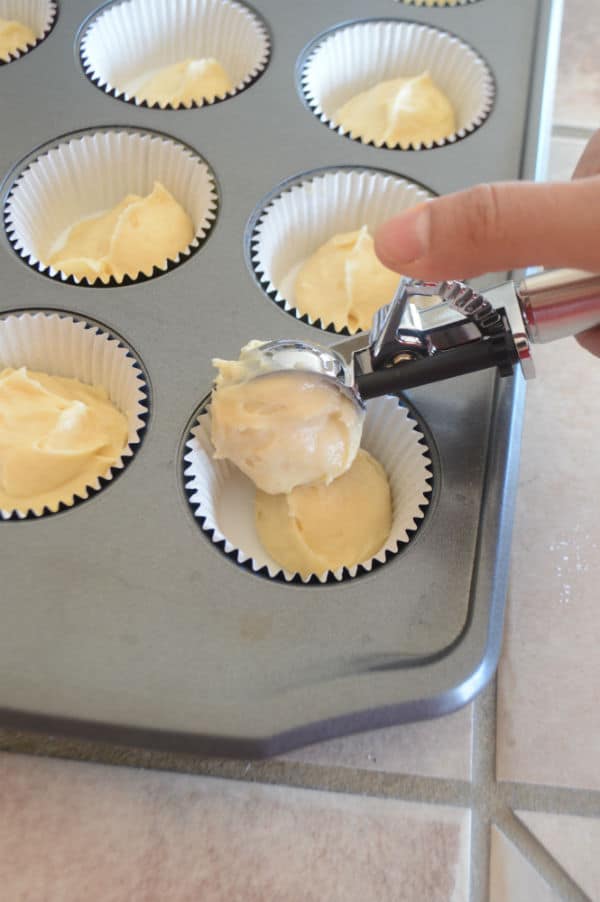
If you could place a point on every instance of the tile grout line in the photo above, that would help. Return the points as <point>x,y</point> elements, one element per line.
<point>275,772</point>
<point>381,784</point>
<point>483,743</point>
<point>540,859</point>
<point>551,799</point>
<point>492,805</point>
<point>572,131</point>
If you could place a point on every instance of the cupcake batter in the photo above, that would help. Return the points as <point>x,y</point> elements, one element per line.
<point>57,436</point>
<point>186,82</point>
<point>14,35</point>
<point>344,283</point>
<point>316,528</point>
<point>283,430</point>
<point>135,236</point>
<point>402,111</point>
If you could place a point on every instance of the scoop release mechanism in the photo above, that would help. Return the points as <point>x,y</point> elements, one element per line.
<point>461,331</point>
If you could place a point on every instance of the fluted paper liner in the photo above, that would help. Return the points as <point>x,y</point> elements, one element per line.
<point>222,497</point>
<point>64,345</point>
<point>310,211</point>
<point>88,174</point>
<point>39,15</point>
<point>128,42</point>
<point>353,58</point>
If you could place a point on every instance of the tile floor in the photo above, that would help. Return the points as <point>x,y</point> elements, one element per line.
<point>578,89</point>
<point>158,837</point>
<point>365,826</point>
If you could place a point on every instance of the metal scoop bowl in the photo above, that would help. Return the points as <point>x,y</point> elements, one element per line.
<point>285,355</point>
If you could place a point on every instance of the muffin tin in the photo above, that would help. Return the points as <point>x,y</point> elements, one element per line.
<point>121,620</point>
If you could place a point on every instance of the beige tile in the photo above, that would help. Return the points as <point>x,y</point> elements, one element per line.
<point>77,831</point>
<point>434,748</point>
<point>574,842</point>
<point>548,713</point>
<point>578,88</point>
<point>512,878</point>
<point>564,156</point>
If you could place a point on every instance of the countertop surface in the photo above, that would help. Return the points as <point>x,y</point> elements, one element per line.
<point>498,802</point>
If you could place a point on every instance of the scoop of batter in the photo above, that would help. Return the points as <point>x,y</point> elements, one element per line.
<point>321,527</point>
<point>401,111</point>
<point>57,436</point>
<point>284,429</point>
<point>14,35</point>
<point>136,235</point>
<point>344,283</point>
<point>189,81</point>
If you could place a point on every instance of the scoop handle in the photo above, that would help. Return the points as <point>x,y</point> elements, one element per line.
<point>498,351</point>
<point>559,302</point>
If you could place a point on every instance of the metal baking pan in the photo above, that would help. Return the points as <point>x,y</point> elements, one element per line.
<point>120,621</point>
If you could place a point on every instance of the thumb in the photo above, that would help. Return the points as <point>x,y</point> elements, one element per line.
<point>496,227</point>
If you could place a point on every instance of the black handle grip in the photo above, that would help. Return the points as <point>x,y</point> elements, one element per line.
<point>468,358</point>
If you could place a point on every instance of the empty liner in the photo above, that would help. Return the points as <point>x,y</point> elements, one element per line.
<point>86,174</point>
<point>63,345</point>
<point>38,15</point>
<point>222,498</point>
<point>347,60</point>
<point>308,211</point>
<point>128,42</point>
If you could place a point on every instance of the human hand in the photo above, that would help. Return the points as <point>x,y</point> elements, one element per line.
<point>502,226</point>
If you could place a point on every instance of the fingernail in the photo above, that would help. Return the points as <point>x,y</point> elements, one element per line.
<point>404,239</point>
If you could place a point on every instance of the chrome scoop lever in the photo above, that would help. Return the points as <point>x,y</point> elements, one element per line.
<point>409,346</point>
<point>468,331</point>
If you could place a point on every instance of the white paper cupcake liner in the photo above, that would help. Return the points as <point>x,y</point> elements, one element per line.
<point>39,15</point>
<point>349,59</point>
<point>64,345</point>
<point>222,498</point>
<point>88,173</point>
<point>129,41</point>
<point>305,212</point>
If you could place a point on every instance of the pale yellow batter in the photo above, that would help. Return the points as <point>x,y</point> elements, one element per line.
<point>284,429</point>
<point>402,111</point>
<point>136,235</point>
<point>14,36</point>
<point>57,436</point>
<point>189,81</point>
<point>317,528</point>
<point>344,283</point>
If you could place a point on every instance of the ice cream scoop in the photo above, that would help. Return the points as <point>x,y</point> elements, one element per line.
<point>275,413</point>
<point>409,345</point>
